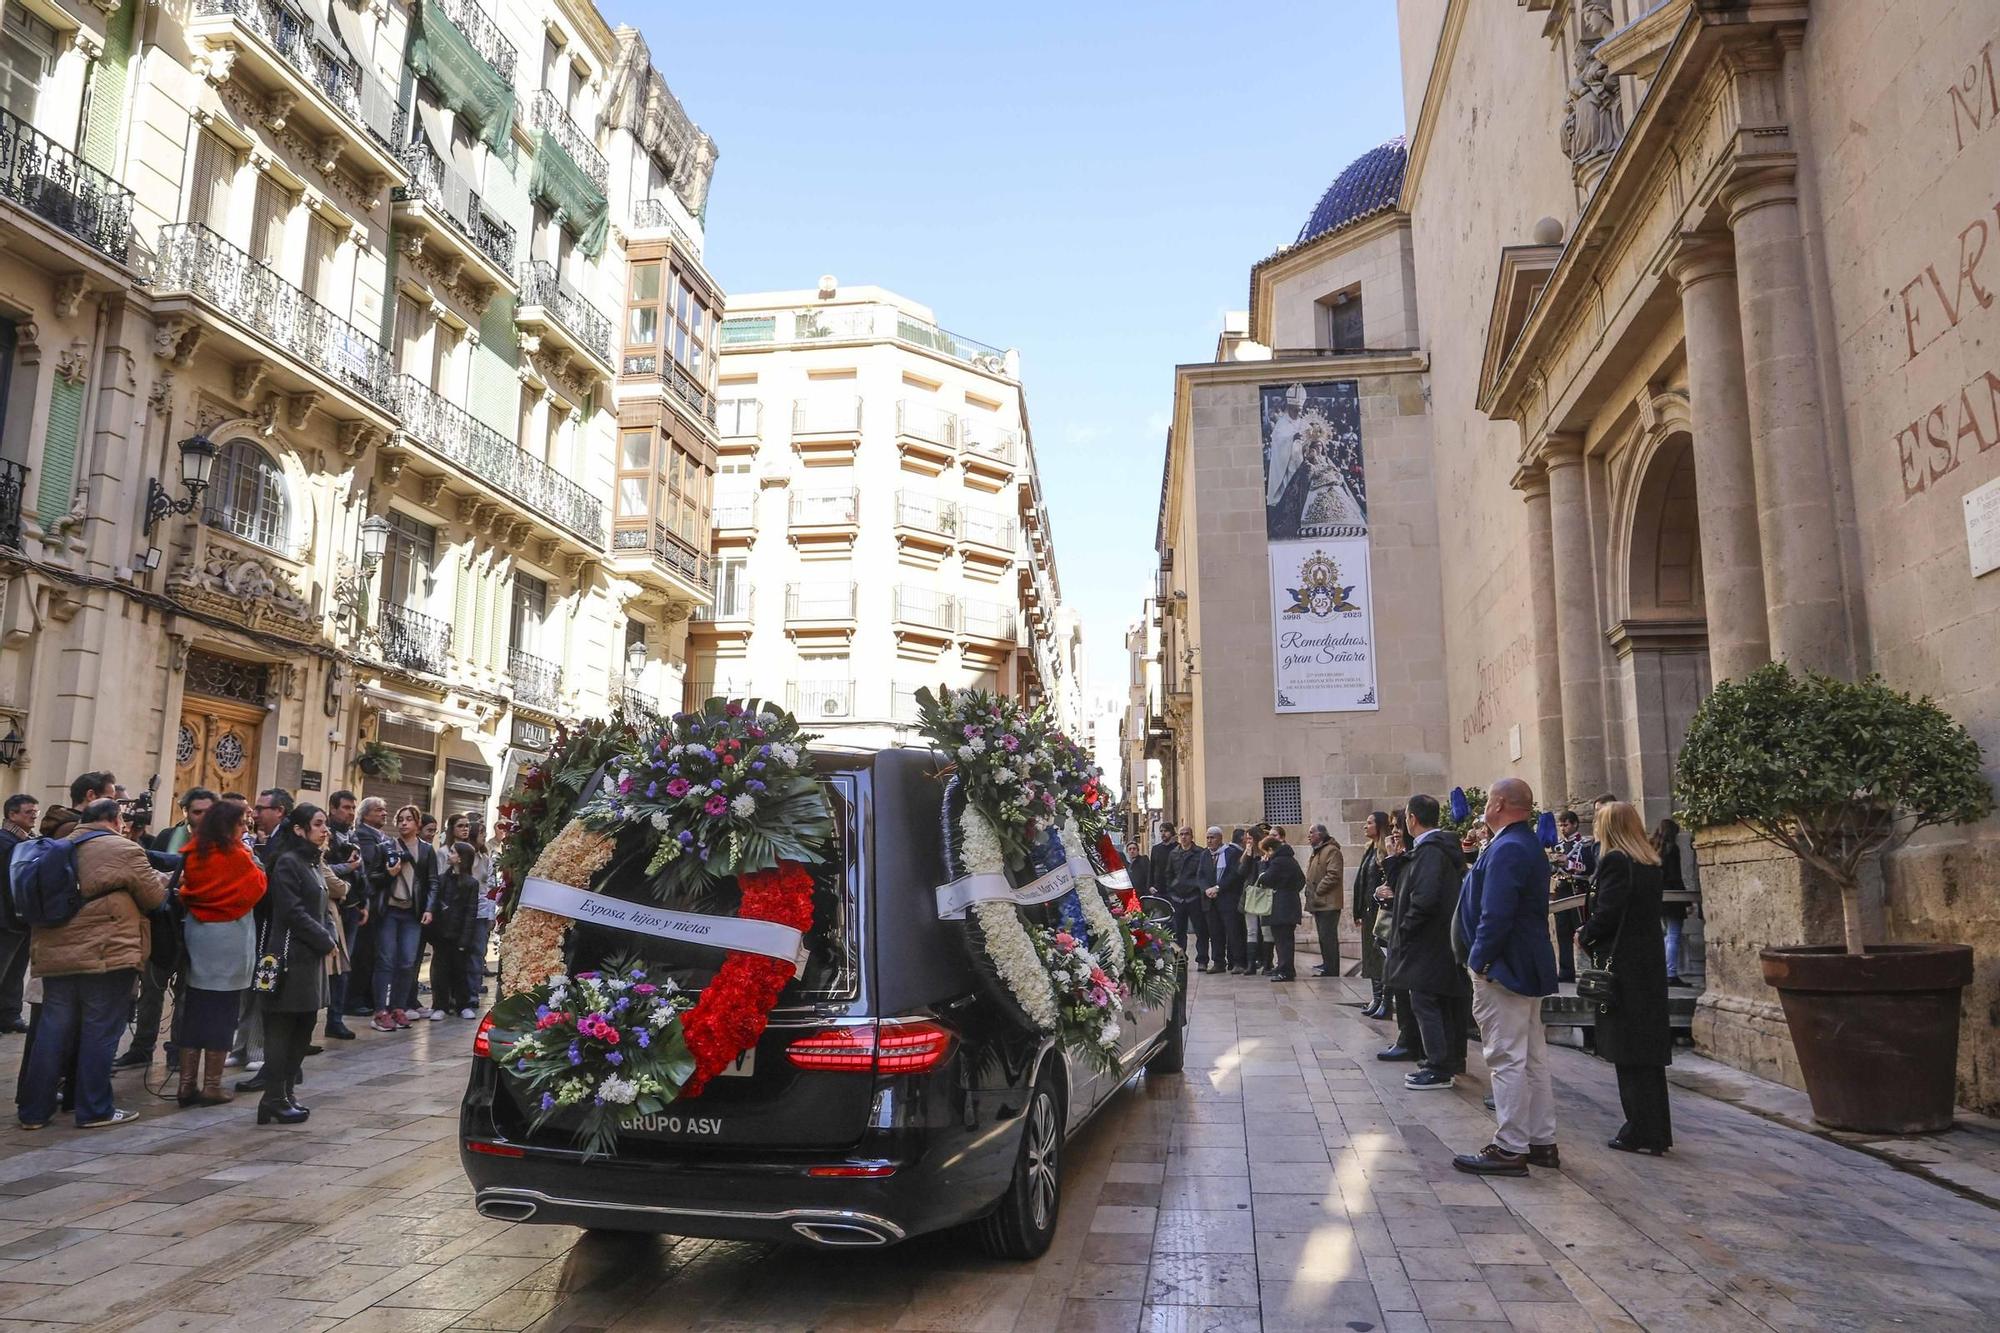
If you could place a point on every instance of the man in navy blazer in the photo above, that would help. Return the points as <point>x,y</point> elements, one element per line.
<point>1503,914</point>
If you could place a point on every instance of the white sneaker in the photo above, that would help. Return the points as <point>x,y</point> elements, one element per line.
<point>435,1015</point>
<point>421,1011</point>
<point>468,1013</point>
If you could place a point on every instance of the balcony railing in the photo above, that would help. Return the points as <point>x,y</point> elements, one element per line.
<point>363,100</point>
<point>549,115</point>
<point>737,603</point>
<point>443,189</point>
<point>927,607</point>
<point>739,419</point>
<point>926,421</point>
<point>987,527</point>
<point>698,396</point>
<point>590,326</point>
<point>412,640</point>
<point>734,513</point>
<point>926,513</point>
<point>826,416</point>
<point>859,323</point>
<point>826,509</point>
<point>989,439</point>
<point>903,703</point>
<point>655,213</point>
<point>537,681</point>
<point>991,620</point>
<point>820,700</point>
<point>56,186</point>
<point>13,487</point>
<point>669,550</point>
<point>197,260</point>
<point>484,454</point>
<point>483,33</point>
<point>819,601</point>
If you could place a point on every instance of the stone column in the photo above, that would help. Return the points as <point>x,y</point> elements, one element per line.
<point>1795,485</point>
<point>1579,640</point>
<point>1725,477</point>
<point>1533,483</point>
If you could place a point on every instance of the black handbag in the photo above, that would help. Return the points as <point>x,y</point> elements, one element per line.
<point>1599,985</point>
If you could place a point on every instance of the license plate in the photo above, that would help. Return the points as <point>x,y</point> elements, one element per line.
<point>744,1067</point>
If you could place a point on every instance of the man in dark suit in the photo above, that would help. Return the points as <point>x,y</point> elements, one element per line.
<point>1162,857</point>
<point>1138,868</point>
<point>1184,890</point>
<point>1421,963</point>
<point>1503,914</point>
<point>1577,854</point>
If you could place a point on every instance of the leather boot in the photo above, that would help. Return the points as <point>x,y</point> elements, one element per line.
<point>274,1106</point>
<point>188,1095</point>
<point>1376,1007</point>
<point>211,1078</point>
<point>1267,955</point>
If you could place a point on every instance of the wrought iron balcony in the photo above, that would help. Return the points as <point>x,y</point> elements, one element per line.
<point>826,509</point>
<point>483,34</point>
<point>987,527</point>
<point>986,620</point>
<point>860,323</point>
<point>926,513</point>
<point>696,568</point>
<point>925,421</point>
<point>926,607</point>
<point>412,640</point>
<point>741,513</point>
<point>436,185</point>
<point>733,603</point>
<point>56,186</point>
<point>363,100</point>
<point>196,260</point>
<point>654,213</point>
<point>827,416</point>
<point>485,455</point>
<point>819,601</point>
<point>989,439</point>
<point>549,115</point>
<point>537,681</point>
<point>583,324</point>
<point>13,488</point>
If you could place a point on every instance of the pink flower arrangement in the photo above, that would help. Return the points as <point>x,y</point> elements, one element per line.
<point>715,805</point>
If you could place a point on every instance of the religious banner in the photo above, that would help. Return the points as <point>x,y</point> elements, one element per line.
<point>1316,538</point>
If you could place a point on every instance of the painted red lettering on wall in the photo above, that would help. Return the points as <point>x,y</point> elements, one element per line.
<point>1933,445</point>
<point>1494,675</point>
<point>1930,290</point>
<point>1975,97</point>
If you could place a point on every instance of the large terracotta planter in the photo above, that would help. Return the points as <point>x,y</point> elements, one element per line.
<point>1876,1033</point>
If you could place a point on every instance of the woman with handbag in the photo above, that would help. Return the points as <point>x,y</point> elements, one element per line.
<point>291,969</point>
<point>1281,880</point>
<point>1629,980</point>
<point>1256,947</point>
<point>221,885</point>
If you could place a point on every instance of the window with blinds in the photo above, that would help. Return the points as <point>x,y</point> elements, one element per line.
<point>267,227</point>
<point>409,334</point>
<point>215,165</point>
<point>321,246</point>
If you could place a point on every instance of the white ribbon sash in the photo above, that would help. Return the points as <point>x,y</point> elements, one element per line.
<point>722,932</point>
<point>954,898</point>
<point>1117,879</point>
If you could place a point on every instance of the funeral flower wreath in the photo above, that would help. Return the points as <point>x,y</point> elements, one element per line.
<point>718,797</point>
<point>1026,843</point>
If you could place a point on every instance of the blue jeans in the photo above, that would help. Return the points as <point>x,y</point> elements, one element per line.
<point>475,960</point>
<point>1673,927</point>
<point>396,956</point>
<point>83,1015</point>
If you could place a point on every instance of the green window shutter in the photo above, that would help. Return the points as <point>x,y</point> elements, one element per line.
<point>462,612</point>
<point>496,380</point>
<point>107,92</point>
<point>481,650</point>
<point>59,451</point>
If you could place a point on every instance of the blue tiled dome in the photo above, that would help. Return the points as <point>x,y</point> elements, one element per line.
<point>1371,183</point>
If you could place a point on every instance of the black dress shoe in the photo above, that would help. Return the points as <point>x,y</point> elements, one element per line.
<point>255,1083</point>
<point>284,1113</point>
<point>1324,972</point>
<point>1675,981</point>
<point>1397,1052</point>
<point>341,1033</point>
<point>1492,1160</point>
<point>315,1050</point>
<point>1544,1154</point>
<point>1283,976</point>
<point>134,1059</point>
<point>1620,1145</point>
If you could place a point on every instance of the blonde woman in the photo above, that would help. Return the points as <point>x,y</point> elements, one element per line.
<point>1624,934</point>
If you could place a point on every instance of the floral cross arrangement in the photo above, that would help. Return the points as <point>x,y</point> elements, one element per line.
<point>719,794</point>
<point>1032,798</point>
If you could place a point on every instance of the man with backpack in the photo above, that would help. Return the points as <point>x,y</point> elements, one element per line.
<point>23,811</point>
<point>85,898</point>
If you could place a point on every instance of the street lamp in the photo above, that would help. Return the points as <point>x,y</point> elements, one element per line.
<point>197,466</point>
<point>350,590</point>
<point>374,541</point>
<point>11,746</point>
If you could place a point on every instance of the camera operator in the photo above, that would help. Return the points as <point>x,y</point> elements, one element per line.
<point>344,858</point>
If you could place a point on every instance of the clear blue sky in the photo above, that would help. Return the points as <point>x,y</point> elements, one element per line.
<point>1087,182</point>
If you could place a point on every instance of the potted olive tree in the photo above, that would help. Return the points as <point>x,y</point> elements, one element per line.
<point>1839,774</point>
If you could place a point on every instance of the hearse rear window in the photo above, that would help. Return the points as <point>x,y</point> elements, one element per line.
<point>832,951</point>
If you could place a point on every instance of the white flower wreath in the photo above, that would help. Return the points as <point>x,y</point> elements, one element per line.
<point>1008,944</point>
<point>1107,942</point>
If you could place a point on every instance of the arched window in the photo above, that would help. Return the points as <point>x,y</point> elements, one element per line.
<point>247,496</point>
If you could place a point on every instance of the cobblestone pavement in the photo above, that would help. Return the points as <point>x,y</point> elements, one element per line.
<point>1287,1181</point>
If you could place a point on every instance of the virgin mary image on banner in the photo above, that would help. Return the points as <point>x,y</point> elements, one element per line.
<point>1314,483</point>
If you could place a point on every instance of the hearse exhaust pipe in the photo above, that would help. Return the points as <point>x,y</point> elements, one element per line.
<point>840,1235</point>
<point>506,1209</point>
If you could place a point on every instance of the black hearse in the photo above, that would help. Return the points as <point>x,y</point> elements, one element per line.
<point>889,1096</point>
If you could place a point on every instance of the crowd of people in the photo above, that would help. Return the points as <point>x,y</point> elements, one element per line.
<point>1458,939</point>
<point>267,920</point>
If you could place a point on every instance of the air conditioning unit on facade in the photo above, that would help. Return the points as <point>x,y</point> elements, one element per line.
<point>833,706</point>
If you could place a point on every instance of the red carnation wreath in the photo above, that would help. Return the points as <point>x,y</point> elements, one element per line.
<point>735,1006</point>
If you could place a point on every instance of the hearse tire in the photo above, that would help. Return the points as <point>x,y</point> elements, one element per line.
<point>1024,1223</point>
<point>1171,1058</point>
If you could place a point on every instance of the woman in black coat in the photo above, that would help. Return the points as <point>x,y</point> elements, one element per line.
<point>450,917</point>
<point>298,936</point>
<point>1624,934</point>
<point>1280,873</point>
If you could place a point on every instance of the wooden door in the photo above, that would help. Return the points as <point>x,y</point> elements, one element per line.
<point>217,746</point>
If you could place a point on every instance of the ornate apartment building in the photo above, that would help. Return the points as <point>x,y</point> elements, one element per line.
<point>313,389</point>
<point>878,521</point>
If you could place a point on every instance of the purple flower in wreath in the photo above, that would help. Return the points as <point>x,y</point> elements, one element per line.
<point>694,728</point>
<point>644,987</point>
<point>756,765</point>
<point>1010,742</point>
<point>614,1057</point>
<point>652,791</point>
<point>674,769</point>
<point>754,785</point>
<point>521,1066</point>
<point>715,805</point>
<point>764,752</point>
<point>624,783</point>
<point>715,784</point>
<point>756,733</point>
<point>733,708</point>
<point>598,1099</point>
<point>548,1101</point>
<point>541,1011</point>
<point>575,1055</point>
<point>644,1038</point>
<point>685,838</point>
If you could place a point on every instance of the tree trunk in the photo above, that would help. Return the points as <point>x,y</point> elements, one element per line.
<point>1851,915</point>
